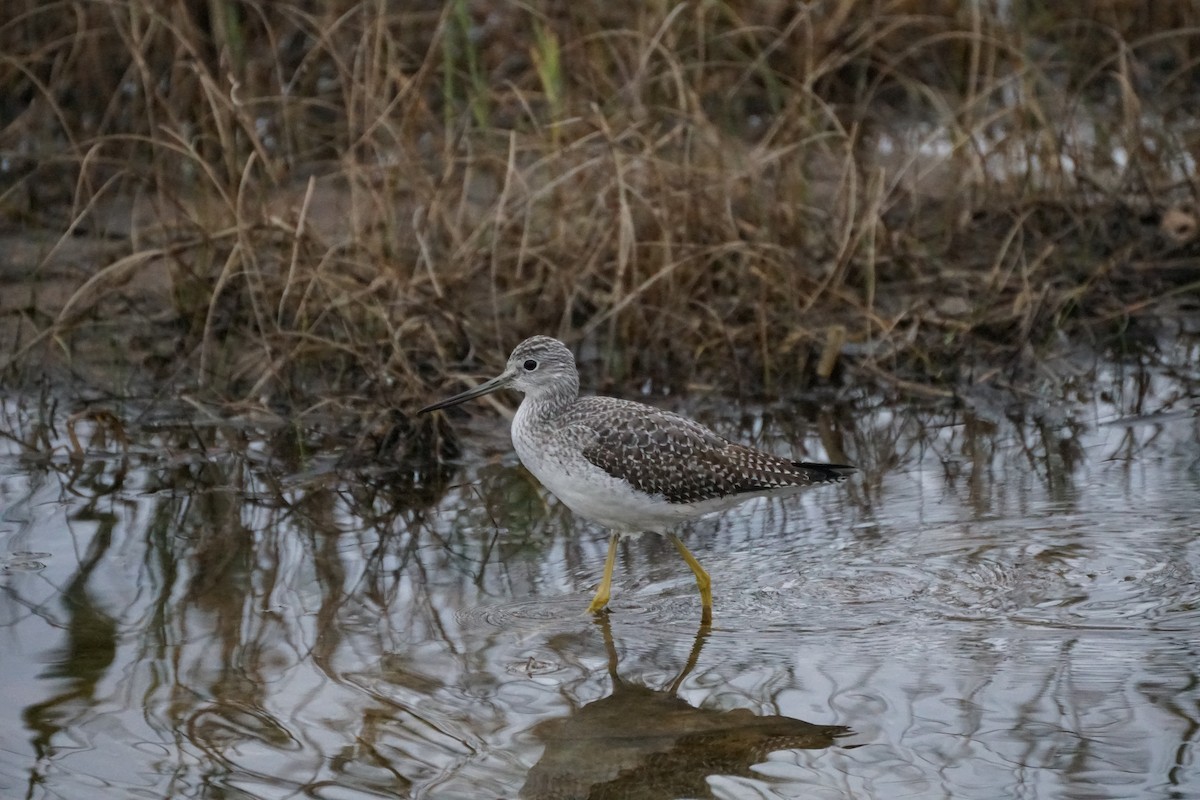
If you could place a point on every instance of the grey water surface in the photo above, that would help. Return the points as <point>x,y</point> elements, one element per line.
<point>1003,603</point>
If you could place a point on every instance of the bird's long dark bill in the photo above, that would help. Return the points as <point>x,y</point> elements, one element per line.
<point>498,382</point>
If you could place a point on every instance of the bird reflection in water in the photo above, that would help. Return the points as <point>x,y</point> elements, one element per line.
<point>641,743</point>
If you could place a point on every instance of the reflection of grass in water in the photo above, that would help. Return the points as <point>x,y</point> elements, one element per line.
<point>213,589</point>
<point>908,194</point>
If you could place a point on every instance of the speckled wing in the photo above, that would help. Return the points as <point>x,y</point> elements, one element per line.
<point>661,453</point>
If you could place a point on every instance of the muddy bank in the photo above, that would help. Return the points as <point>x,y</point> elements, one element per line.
<point>293,207</point>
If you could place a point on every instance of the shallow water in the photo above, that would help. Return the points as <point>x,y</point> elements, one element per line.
<point>1001,604</point>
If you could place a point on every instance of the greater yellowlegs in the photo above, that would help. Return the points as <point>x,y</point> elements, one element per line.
<point>628,466</point>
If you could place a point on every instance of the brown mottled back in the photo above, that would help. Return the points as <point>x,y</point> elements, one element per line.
<point>661,453</point>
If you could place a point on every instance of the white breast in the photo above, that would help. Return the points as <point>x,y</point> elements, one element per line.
<point>556,461</point>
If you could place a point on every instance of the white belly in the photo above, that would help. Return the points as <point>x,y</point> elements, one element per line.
<point>598,496</point>
<point>595,495</point>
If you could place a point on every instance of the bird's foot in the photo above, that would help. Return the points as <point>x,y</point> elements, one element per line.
<point>599,608</point>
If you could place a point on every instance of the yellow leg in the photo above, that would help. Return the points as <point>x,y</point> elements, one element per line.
<point>605,590</point>
<point>703,582</point>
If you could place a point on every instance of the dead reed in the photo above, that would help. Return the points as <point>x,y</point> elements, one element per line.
<point>307,203</point>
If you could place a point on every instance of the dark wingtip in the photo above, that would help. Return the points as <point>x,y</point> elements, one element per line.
<point>828,472</point>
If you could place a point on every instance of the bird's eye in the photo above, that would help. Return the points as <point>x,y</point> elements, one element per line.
<point>530,365</point>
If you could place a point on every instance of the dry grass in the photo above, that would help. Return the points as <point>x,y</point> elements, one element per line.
<point>298,204</point>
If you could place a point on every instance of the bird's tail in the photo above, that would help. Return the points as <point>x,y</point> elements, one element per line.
<point>827,472</point>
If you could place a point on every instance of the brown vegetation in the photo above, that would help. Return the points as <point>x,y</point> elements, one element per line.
<point>285,202</point>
